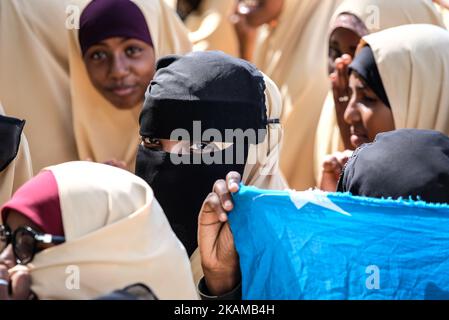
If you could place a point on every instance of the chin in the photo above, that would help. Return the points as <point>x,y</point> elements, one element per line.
<point>125,104</point>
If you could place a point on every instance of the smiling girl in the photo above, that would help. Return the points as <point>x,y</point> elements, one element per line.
<point>398,80</point>
<point>112,63</point>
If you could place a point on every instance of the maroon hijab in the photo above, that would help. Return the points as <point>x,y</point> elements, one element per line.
<point>103,19</point>
<point>38,200</point>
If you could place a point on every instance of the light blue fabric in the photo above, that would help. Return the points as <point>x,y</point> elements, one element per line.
<point>361,249</point>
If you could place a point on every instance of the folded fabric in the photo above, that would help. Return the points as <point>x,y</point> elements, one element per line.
<point>315,245</point>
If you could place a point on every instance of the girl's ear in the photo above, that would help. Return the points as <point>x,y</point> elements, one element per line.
<point>166,61</point>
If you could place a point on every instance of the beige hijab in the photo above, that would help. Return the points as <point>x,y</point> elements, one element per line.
<point>293,54</point>
<point>34,76</point>
<point>413,63</point>
<point>19,171</point>
<point>116,235</point>
<point>377,15</point>
<point>102,131</point>
<point>264,173</point>
<point>210,28</point>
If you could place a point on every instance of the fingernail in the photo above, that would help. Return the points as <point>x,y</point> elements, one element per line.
<point>233,185</point>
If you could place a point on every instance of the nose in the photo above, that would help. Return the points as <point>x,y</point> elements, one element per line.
<point>352,112</point>
<point>119,67</point>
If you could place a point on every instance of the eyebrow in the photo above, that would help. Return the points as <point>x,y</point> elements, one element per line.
<point>103,43</point>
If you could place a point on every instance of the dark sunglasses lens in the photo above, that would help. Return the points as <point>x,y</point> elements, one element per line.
<point>24,244</point>
<point>4,235</point>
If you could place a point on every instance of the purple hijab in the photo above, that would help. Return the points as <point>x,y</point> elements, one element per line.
<point>103,19</point>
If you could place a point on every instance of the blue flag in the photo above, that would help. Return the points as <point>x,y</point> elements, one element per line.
<point>316,245</point>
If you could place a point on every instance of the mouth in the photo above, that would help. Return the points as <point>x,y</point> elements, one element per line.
<point>123,91</point>
<point>358,138</point>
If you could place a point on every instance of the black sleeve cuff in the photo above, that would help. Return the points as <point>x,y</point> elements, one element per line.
<point>235,294</point>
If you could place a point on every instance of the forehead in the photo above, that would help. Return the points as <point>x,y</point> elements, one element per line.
<point>118,42</point>
<point>15,220</point>
<point>344,36</point>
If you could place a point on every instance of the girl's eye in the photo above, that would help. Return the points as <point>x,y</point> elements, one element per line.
<point>203,147</point>
<point>334,53</point>
<point>98,55</point>
<point>132,51</point>
<point>369,99</point>
<point>151,143</point>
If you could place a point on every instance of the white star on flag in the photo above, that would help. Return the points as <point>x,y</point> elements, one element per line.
<point>317,197</point>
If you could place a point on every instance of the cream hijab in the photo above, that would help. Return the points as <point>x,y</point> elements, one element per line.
<point>211,29</point>
<point>19,171</point>
<point>34,76</point>
<point>116,235</point>
<point>377,15</point>
<point>264,173</point>
<point>102,131</point>
<point>413,62</point>
<point>293,54</point>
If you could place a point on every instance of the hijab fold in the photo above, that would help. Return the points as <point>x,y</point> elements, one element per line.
<point>293,54</point>
<point>211,29</point>
<point>34,77</point>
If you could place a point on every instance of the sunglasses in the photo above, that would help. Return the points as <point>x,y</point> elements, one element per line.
<point>25,242</point>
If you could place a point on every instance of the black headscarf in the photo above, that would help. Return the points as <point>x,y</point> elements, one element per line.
<point>402,163</point>
<point>365,65</point>
<point>220,91</point>
<point>10,132</point>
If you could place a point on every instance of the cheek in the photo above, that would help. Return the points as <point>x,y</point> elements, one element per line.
<point>377,120</point>
<point>144,70</point>
<point>97,74</point>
